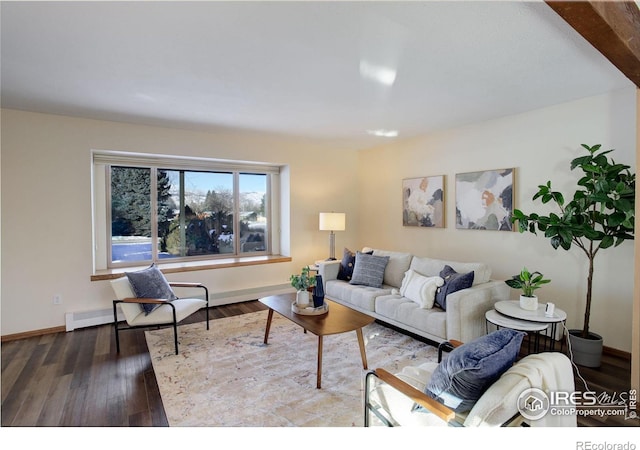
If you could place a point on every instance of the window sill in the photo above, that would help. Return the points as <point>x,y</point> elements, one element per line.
<point>111,274</point>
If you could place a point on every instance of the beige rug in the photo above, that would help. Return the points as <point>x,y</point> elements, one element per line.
<point>227,377</point>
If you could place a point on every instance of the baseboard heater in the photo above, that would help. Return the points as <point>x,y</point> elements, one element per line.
<point>83,319</point>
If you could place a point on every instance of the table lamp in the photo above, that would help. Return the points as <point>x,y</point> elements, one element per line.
<point>332,222</point>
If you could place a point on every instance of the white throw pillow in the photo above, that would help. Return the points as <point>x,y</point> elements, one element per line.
<point>420,289</point>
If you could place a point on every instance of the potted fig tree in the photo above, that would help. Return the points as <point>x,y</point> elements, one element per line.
<point>600,215</point>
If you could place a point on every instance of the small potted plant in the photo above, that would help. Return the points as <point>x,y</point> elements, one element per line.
<point>527,282</point>
<point>303,284</point>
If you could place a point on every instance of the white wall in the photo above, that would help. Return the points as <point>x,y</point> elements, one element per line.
<point>46,204</point>
<point>540,145</point>
<point>46,208</point>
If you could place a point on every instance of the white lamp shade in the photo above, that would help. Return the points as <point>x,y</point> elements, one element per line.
<point>332,221</point>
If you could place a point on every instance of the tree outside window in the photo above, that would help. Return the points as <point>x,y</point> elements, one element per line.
<point>195,215</point>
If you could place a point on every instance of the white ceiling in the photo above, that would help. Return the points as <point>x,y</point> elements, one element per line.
<point>295,68</point>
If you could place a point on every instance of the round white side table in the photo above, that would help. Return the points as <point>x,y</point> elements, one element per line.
<point>502,321</point>
<point>510,309</point>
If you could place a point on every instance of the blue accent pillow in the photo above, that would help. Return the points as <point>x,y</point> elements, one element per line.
<point>150,283</point>
<point>369,270</point>
<point>348,262</point>
<point>453,282</point>
<point>461,378</point>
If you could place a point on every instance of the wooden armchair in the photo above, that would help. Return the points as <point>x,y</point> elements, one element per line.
<point>169,313</point>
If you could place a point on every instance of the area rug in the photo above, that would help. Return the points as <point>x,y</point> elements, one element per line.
<point>227,376</point>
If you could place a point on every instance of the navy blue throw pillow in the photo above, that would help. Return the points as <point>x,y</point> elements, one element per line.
<point>453,282</point>
<point>150,283</point>
<point>345,271</point>
<point>469,370</point>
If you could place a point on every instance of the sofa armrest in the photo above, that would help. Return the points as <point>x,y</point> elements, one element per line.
<point>466,309</point>
<point>328,270</point>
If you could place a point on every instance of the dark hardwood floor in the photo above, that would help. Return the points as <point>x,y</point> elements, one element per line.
<point>78,380</point>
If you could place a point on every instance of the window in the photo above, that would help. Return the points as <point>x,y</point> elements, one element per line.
<point>180,210</point>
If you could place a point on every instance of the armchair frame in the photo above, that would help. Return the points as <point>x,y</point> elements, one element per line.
<point>449,416</point>
<point>420,398</point>
<point>173,323</point>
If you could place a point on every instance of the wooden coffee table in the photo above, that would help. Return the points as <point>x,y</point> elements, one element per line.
<point>339,319</point>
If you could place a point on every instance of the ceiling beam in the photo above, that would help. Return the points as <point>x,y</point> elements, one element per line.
<point>612,27</point>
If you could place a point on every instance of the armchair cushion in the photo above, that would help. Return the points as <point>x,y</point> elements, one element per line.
<point>369,270</point>
<point>453,282</point>
<point>184,307</point>
<point>150,283</point>
<point>461,379</point>
<point>122,289</point>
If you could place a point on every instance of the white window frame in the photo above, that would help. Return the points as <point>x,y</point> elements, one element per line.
<point>103,159</point>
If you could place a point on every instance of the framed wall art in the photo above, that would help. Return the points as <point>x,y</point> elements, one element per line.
<point>484,200</point>
<point>423,202</point>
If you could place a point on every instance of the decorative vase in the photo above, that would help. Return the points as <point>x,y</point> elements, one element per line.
<point>529,303</point>
<point>318,292</point>
<point>302,298</point>
<point>586,352</point>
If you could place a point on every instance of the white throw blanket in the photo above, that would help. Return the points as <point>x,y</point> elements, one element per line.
<point>550,372</point>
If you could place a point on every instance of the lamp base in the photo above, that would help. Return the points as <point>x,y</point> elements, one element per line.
<point>332,247</point>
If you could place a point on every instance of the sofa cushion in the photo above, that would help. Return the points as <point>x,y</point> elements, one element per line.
<point>150,283</point>
<point>360,297</point>
<point>399,263</point>
<point>468,371</point>
<point>420,289</point>
<point>453,282</point>
<point>430,267</point>
<point>401,310</point>
<point>369,270</point>
<point>348,261</point>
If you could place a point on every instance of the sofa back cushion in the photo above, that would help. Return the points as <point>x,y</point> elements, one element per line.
<point>430,267</point>
<point>396,267</point>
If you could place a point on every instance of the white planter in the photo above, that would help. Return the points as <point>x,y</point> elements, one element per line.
<point>529,303</point>
<point>302,298</point>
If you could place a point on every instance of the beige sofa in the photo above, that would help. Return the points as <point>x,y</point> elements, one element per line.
<point>463,319</point>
